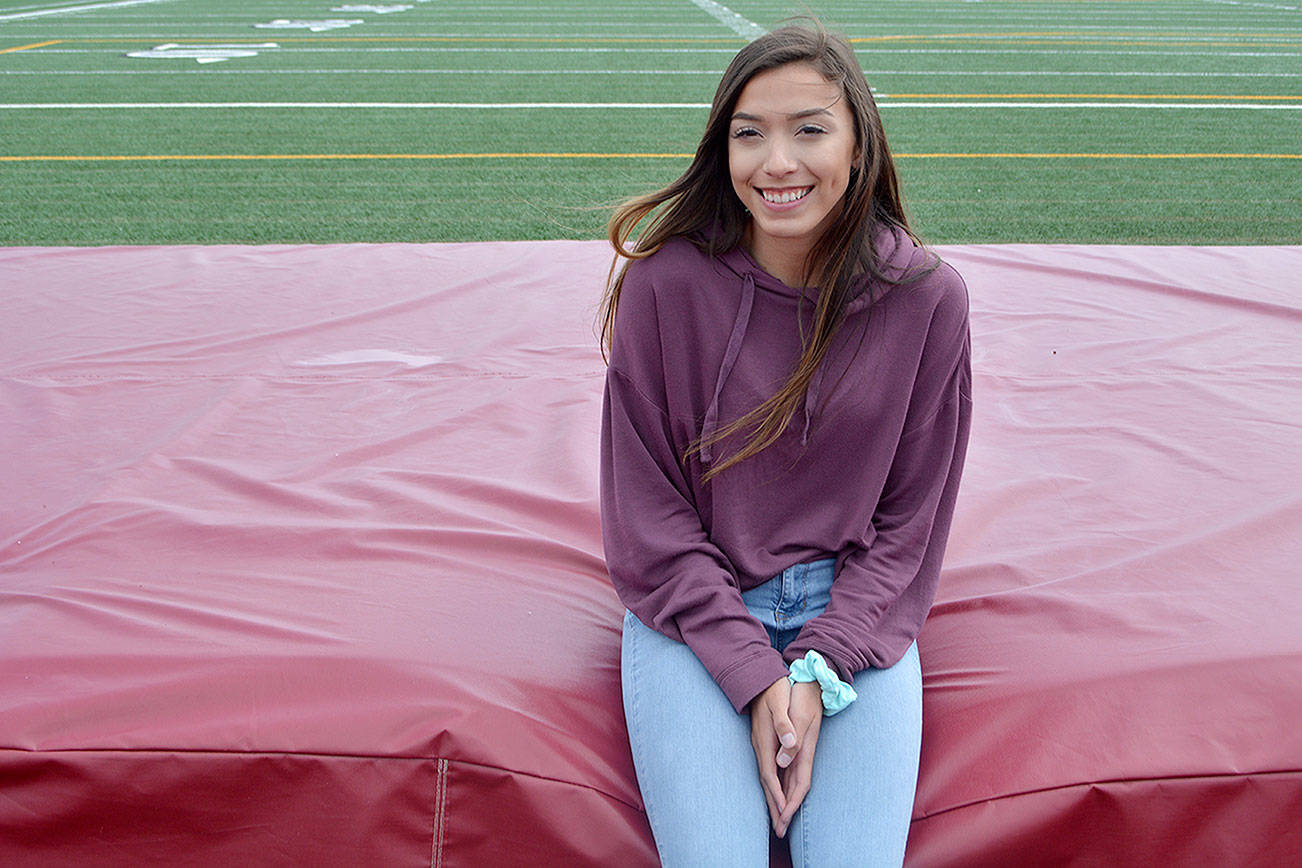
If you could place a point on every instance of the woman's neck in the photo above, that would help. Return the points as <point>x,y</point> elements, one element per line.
<point>783,258</point>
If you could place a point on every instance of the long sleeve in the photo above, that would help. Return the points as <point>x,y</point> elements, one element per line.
<point>884,588</point>
<point>661,561</point>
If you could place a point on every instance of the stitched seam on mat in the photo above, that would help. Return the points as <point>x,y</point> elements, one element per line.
<point>315,755</point>
<point>434,817</point>
<point>440,813</point>
<point>1135,780</point>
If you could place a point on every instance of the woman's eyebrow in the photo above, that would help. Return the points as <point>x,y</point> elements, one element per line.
<point>804,113</point>
<point>809,113</point>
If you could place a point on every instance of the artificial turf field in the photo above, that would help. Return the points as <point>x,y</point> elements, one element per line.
<point>1090,121</point>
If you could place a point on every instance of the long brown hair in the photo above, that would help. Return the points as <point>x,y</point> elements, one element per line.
<point>702,206</point>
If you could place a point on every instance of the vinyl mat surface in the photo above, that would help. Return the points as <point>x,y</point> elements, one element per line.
<point>300,561</point>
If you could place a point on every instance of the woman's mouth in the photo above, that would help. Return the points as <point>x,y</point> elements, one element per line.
<point>784,196</point>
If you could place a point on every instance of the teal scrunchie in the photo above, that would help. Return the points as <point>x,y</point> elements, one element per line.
<point>836,693</point>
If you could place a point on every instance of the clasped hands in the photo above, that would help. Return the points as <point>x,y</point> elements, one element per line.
<point>784,722</point>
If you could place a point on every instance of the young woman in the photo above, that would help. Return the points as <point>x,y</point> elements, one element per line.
<point>785,419</point>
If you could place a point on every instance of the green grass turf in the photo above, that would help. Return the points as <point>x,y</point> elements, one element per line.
<point>1061,51</point>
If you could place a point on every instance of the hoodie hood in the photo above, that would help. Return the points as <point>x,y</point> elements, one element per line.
<point>895,251</point>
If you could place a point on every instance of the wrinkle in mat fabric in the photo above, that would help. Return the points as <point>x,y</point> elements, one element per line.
<point>300,561</point>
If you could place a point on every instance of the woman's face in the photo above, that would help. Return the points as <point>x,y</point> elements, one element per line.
<point>791,143</point>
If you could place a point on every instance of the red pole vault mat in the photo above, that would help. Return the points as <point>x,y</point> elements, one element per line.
<point>300,562</point>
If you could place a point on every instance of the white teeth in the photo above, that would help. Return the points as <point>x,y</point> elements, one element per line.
<point>785,196</point>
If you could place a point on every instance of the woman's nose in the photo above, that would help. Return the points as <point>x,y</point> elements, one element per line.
<point>779,160</point>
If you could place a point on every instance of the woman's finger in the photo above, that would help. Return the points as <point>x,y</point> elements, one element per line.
<point>764,741</point>
<point>768,775</point>
<point>774,813</point>
<point>806,709</point>
<point>797,784</point>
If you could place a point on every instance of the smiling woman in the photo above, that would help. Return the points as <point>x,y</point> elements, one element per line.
<point>791,149</point>
<point>782,579</point>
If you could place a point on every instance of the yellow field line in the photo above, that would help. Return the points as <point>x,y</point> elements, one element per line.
<point>588,156</point>
<point>1118,156</point>
<point>33,45</point>
<point>1228,96</point>
<point>995,40</point>
<point>1000,39</point>
<point>1152,34</point>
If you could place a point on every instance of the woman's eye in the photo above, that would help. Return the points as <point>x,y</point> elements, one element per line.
<point>811,129</point>
<point>744,132</point>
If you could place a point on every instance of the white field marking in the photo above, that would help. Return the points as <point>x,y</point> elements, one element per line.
<point>214,53</point>
<point>378,10</point>
<point>615,31</point>
<point>1250,24</point>
<point>208,56</point>
<point>689,31</point>
<point>743,27</point>
<point>314,26</point>
<point>1258,5</point>
<point>175,51</point>
<point>1084,73</point>
<point>886,103</point>
<point>65,9</point>
<point>157,53</point>
<point>43,5</point>
<point>458,49</point>
<point>363,105</point>
<point>1055,51</point>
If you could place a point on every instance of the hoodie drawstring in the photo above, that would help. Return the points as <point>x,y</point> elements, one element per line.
<point>856,305</point>
<point>739,327</point>
<point>811,401</point>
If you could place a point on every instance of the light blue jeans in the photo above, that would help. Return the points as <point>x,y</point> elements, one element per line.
<point>698,774</point>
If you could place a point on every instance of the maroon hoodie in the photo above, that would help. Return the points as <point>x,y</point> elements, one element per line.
<point>867,473</point>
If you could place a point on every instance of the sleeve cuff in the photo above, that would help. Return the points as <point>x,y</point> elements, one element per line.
<point>836,693</point>
<point>744,682</point>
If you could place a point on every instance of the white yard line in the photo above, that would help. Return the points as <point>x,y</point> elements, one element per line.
<point>885,103</point>
<point>743,27</point>
<point>1072,53</point>
<point>1258,5</point>
<point>530,72</point>
<point>643,72</point>
<point>356,105</point>
<point>43,5</point>
<point>84,8</point>
<point>457,49</point>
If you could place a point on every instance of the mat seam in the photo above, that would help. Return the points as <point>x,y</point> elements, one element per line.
<point>310,754</point>
<point>1136,780</point>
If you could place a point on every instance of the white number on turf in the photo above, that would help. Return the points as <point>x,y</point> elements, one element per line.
<point>314,26</point>
<point>203,53</point>
<point>378,10</point>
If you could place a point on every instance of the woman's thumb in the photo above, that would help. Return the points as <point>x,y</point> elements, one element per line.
<point>785,731</point>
